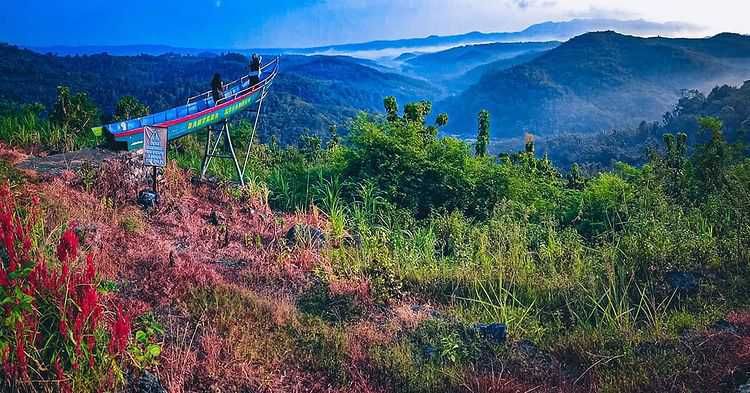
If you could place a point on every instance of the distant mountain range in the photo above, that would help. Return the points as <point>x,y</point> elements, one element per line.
<point>547,31</point>
<point>454,68</point>
<point>598,81</point>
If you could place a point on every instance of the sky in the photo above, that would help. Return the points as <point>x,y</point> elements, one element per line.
<point>225,24</point>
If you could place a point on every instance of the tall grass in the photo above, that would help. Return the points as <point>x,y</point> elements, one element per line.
<point>329,193</point>
<point>27,129</point>
<point>497,302</point>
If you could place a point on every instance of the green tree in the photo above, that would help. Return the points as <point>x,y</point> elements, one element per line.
<point>333,137</point>
<point>74,112</point>
<point>713,158</point>
<point>674,165</point>
<point>417,111</point>
<point>128,107</point>
<point>441,120</point>
<point>576,179</point>
<point>483,137</point>
<point>311,146</point>
<point>391,108</point>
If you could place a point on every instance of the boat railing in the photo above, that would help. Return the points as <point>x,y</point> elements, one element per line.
<point>245,87</point>
<point>200,102</point>
<point>240,86</point>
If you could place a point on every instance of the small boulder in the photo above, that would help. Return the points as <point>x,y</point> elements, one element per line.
<point>301,234</point>
<point>144,382</point>
<point>232,263</point>
<point>682,282</point>
<point>353,240</point>
<point>430,352</point>
<point>148,199</point>
<point>494,332</point>
<point>534,360</point>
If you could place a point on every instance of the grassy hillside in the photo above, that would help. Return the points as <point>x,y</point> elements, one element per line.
<point>394,261</point>
<point>599,81</point>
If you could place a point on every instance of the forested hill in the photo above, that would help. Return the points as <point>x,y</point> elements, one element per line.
<point>599,81</point>
<point>601,150</point>
<point>310,94</point>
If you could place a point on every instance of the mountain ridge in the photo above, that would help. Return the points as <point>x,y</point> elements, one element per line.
<point>600,81</point>
<point>561,30</point>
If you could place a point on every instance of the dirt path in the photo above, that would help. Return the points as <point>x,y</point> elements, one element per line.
<point>56,164</point>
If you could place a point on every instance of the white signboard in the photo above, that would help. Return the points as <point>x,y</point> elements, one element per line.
<point>155,146</point>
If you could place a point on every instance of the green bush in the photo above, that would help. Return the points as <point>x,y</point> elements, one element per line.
<point>320,302</point>
<point>321,348</point>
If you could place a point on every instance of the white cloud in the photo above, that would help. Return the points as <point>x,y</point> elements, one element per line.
<point>525,4</point>
<point>341,21</point>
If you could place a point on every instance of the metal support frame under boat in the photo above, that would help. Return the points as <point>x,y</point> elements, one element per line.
<point>223,133</point>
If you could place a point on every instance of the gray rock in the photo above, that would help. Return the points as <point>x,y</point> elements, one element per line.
<point>232,263</point>
<point>353,240</point>
<point>144,382</point>
<point>723,326</point>
<point>682,282</point>
<point>148,199</point>
<point>149,383</point>
<point>301,234</point>
<point>494,332</point>
<point>85,232</point>
<point>744,388</point>
<point>534,360</point>
<point>430,352</point>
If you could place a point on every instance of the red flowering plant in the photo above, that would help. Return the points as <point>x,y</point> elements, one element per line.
<point>53,329</point>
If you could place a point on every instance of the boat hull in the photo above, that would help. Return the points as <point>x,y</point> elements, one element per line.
<point>182,126</point>
<point>199,112</point>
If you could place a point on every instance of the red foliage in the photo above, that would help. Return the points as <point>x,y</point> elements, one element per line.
<point>67,250</point>
<point>177,367</point>
<point>120,333</point>
<point>60,375</point>
<point>62,294</point>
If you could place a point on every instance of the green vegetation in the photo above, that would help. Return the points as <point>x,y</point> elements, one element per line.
<point>129,107</point>
<point>68,126</point>
<point>440,240</point>
<point>483,138</point>
<point>579,265</point>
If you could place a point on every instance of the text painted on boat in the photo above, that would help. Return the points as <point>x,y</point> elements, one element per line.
<point>219,115</point>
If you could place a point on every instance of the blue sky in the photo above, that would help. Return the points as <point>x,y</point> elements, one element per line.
<point>303,23</point>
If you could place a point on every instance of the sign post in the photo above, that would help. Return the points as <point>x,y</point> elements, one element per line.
<point>154,149</point>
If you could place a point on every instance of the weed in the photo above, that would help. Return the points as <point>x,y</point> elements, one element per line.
<point>132,223</point>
